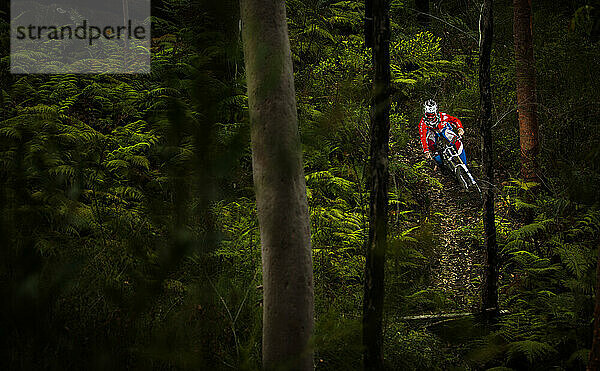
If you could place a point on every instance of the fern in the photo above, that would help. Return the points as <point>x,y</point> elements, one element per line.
<point>533,350</point>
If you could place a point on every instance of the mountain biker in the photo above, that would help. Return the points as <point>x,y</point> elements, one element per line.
<point>434,124</point>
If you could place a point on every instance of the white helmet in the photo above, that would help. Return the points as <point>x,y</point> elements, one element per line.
<point>431,112</point>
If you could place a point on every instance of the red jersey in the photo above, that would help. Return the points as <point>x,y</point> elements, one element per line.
<point>442,123</point>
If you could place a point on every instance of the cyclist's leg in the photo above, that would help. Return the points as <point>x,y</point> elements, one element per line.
<point>463,155</point>
<point>432,142</point>
<point>450,135</point>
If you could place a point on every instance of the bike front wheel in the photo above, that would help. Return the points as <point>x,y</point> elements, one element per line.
<point>463,178</point>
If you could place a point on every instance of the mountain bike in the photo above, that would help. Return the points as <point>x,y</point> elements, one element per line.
<point>452,161</point>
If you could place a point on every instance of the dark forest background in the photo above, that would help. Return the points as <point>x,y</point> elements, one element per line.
<point>128,228</point>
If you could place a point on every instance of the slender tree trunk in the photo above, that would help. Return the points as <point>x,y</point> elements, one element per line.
<point>422,7</point>
<point>288,303</point>
<point>594,361</point>
<point>526,97</point>
<point>490,289</point>
<point>378,186</point>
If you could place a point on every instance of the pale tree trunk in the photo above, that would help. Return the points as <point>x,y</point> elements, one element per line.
<point>288,302</point>
<point>594,361</point>
<point>378,185</point>
<point>490,288</point>
<point>526,96</point>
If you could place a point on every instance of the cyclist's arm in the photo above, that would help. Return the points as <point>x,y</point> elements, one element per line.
<point>455,121</point>
<point>423,134</point>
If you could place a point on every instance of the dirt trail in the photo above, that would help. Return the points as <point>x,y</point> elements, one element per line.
<point>458,270</point>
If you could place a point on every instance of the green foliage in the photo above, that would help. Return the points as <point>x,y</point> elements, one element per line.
<point>130,228</point>
<point>107,209</point>
<point>547,284</point>
<point>534,351</point>
<point>338,342</point>
<point>415,349</point>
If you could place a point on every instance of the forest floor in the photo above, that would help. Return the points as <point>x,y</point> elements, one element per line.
<point>457,270</point>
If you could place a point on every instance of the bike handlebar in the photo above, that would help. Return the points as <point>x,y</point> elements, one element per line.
<point>457,137</point>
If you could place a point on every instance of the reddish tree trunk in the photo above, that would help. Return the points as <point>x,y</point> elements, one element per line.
<point>526,97</point>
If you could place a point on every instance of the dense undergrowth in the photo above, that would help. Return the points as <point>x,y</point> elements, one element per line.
<point>129,230</point>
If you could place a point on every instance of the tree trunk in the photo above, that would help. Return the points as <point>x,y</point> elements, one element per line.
<point>378,186</point>
<point>594,361</point>
<point>490,289</point>
<point>422,7</point>
<point>288,303</point>
<point>526,97</point>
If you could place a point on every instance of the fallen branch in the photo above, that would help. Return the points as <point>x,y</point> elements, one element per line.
<point>445,316</point>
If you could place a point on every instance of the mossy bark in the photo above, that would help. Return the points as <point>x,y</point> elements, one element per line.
<point>288,303</point>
